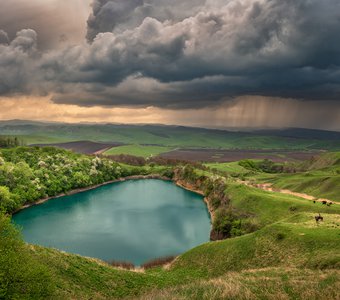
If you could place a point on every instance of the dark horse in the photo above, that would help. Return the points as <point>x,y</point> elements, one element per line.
<point>318,218</point>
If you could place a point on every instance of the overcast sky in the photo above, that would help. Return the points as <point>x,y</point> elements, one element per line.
<point>214,63</point>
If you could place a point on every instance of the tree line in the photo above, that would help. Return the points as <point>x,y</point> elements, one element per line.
<point>28,174</point>
<point>9,142</point>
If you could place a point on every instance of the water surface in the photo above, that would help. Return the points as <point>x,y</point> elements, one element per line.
<point>134,221</point>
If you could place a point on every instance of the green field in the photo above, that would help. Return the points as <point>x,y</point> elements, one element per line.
<point>138,150</point>
<point>170,136</point>
<point>232,168</point>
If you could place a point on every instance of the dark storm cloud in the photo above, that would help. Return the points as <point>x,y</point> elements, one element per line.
<point>18,63</point>
<point>188,54</point>
<point>107,14</point>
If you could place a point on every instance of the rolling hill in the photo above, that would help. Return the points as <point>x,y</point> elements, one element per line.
<point>171,136</point>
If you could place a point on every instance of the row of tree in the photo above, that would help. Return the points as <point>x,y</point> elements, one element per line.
<point>9,142</point>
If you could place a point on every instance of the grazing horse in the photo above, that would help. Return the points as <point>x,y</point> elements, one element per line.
<point>318,218</point>
<point>324,202</point>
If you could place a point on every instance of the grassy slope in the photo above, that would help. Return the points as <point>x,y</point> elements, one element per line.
<point>322,178</point>
<point>138,150</point>
<point>230,167</point>
<point>268,283</point>
<point>268,207</point>
<point>295,242</point>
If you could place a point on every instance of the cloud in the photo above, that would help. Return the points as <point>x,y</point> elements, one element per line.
<point>186,54</point>
<point>57,22</point>
<point>3,37</point>
<point>119,15</point>
<point>18,63</point>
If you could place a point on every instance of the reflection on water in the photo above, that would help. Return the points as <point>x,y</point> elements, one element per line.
<point>132,221</point>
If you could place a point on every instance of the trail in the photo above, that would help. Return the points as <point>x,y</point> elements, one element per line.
<point>101,151</point>
<point>268,187</point>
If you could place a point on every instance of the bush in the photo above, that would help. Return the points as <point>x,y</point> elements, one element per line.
<point>122,264</point>
<point>226,224</point>
<point>169,173</point>
<point>158,262</point>
<point>248,164</point>
<point>21,275</point>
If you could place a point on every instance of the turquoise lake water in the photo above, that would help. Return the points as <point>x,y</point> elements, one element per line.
<point>134,221</point>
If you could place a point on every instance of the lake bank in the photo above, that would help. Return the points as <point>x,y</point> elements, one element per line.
<point>178,182</point>
<point>92,187</point>
<point>132,220</point>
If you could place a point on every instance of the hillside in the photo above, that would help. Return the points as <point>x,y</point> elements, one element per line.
<point>294,258</point>
<point>319,177</point>
<point>309,247</point>
<point>273,247</point>
<point>172,136</point>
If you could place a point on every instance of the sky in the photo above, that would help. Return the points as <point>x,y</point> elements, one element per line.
<point>210,63</point>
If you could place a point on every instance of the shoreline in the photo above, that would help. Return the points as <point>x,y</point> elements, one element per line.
<point>190,188</point>
<point>177,182</point>
<point>92,187</point>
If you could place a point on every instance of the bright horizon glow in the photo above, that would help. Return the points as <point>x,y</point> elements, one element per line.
<point>243,113</point>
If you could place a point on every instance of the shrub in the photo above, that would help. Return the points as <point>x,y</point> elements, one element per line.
<point>21,275</point>
<point>158,262</point>
<point>121,264</point>
<point>226,224</point>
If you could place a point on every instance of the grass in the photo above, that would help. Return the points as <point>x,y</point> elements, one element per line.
<point>268,207</point>
<point>268,283</point>
<point>320,179</point>
<point>138,150</point>
<point>290,256</point>
<point>41,139</point>
<point>313,183</point>
<point>230,167</point>
<point>169,136</point>
<point>294,257</point>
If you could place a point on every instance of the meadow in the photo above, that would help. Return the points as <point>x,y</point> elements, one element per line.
<point>291,257</point>
<point>171,136</point>
<point>138,150</point>
<point>268,244</point>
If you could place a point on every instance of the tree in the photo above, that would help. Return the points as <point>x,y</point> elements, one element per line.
<point>7,202</point>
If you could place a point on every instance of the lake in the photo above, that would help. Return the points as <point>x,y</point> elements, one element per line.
<point>135,221</point>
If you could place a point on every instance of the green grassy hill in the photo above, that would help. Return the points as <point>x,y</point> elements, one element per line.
<point>287,255</point>
<point>138,150</point>
<point>290,257</point>
<point>319,177</point>
<point>281,258</point>
<point>172,136</point>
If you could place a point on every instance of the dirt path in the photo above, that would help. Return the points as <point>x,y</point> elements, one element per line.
<point>101,151</point>
<point>268,187</point>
